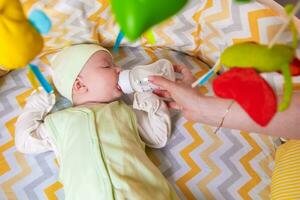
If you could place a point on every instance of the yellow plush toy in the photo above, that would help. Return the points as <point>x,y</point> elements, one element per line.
<point>20,42</point>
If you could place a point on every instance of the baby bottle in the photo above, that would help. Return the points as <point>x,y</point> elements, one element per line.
<point>136,80</point>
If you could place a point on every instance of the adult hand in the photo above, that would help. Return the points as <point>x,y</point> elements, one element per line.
<point>182,96</point>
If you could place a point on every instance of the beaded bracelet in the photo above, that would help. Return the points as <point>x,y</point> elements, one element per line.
<point>223,118</point>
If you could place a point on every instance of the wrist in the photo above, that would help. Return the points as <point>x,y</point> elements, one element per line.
<point>210,109</point>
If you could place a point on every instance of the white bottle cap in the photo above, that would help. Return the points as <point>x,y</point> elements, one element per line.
<point>124,82</point>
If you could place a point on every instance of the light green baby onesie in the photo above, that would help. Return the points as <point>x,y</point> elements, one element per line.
<point>102,157</point>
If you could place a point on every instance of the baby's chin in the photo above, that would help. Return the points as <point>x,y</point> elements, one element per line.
<point>117,95</point>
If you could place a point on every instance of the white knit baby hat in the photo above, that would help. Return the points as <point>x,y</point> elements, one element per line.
<point>68,63</point>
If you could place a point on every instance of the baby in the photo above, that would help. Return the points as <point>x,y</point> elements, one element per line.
<point>98,140</point>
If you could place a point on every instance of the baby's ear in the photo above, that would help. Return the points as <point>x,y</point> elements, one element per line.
<point>79,87</point>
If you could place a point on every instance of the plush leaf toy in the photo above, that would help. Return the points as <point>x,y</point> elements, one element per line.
<point>136,16</point>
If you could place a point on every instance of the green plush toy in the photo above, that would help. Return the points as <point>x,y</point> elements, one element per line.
<point>258,56</point>
<point>136,16</point>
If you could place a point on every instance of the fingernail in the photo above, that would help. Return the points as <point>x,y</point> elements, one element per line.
<point>156,91</point>
<point>150,78</point>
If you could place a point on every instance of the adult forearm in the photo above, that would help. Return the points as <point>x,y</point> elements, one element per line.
<point>285,124</point>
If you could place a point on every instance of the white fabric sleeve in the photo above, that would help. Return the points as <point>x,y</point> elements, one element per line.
<point>30,131</point>
<point>154,123</point>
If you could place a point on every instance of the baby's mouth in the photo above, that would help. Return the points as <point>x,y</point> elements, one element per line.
<point>119,88</point>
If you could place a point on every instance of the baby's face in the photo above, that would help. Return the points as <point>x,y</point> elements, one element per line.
<point>101,76</point>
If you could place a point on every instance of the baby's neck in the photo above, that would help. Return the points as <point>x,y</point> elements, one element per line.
<point>92,103</point>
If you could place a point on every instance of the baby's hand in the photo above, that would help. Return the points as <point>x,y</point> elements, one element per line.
<point>146,101</point>
<point>40,101</point>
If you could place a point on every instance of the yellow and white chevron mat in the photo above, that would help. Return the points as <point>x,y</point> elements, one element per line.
<point>199,164</point>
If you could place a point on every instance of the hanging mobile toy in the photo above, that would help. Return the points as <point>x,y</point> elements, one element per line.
<point>243,83</point>
<point>21,40</point>
<point>42,24</point>
<point>43,82</point>
<point>136,17</point>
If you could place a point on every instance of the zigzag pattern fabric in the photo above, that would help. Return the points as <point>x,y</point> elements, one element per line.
<point>198,163</point>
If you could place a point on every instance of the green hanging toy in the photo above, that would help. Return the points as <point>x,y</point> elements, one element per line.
<point>136,16</point>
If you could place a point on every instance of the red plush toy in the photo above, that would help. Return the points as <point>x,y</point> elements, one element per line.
<point>250,90</point>
<point>295,67</point>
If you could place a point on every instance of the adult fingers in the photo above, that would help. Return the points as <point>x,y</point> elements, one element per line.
<point>179,68</point>
<point>187,75</point>
<point>162,93</point>
<point>162,82</point>
<point>174,105</point>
